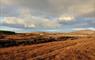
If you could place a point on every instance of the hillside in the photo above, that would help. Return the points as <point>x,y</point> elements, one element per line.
<point>81,49</point>
<point>48,46</point>
<point>83,32</point>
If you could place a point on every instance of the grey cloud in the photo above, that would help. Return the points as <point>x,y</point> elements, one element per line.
<point>59,7</point>
<point>8,11</point>
<point>90,14</point>
<point>56,7</point>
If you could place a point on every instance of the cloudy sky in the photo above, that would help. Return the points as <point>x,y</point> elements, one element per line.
<point>47,15</point>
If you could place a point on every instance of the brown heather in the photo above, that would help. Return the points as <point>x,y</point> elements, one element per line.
<point>80,48</point>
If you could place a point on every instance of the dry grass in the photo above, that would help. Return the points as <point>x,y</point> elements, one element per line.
<point>52,46</point>
<point>32,38</point>
<point>81,49</point>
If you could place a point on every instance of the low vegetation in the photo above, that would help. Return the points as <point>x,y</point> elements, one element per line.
<point>6,32</point>
<point>47,46</point>
<point>81,49</point>
<point>12,41</point>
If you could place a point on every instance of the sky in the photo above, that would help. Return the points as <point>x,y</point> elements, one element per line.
<point>47,15</point>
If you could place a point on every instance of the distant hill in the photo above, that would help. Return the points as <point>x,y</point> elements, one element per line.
<point>82,32</point>
<point>6,32</point>
<point>78,49</point>
<point>86,32</point>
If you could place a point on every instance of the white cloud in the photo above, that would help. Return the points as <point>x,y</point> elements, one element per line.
<point>30,25</point>
<point>65,18</point>
<point>12,20</point>
<point>32,22</point>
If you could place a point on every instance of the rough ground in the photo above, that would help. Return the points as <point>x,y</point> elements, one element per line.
<point>81,48</point>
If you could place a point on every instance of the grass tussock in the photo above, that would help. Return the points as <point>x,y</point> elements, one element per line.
<point>47,46</point>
